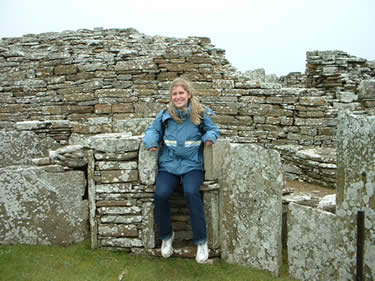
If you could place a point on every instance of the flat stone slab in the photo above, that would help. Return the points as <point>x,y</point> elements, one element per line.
<point>311,243</point>
<point>251,182</point>
<point>42,206</point>
<point>19,148</point>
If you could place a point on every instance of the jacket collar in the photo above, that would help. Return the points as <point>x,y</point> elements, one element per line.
<point>184,114</point>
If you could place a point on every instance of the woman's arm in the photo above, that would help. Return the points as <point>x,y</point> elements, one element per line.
<point>212,131</point>
<point>154,133</point>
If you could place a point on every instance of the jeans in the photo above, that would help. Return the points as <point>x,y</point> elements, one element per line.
<point>166,183</point>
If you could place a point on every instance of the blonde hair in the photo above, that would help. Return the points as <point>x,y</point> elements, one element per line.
<point>197,108</point>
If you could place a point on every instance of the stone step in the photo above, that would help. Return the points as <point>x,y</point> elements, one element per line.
<point>183,251</point>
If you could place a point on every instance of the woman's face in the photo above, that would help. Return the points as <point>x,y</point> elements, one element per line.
<point>180,97</point>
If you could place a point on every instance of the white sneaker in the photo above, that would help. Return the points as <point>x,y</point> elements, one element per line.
<point>202,253</point>
<point>166,247</point>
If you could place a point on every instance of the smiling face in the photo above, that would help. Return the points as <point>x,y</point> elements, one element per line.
<point>180,97</point>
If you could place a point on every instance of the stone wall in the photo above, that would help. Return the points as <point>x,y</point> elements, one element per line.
<point>65,97</point>
<point>337,71</point>
<point>122,195</point>
<point>39,203</point>
<point>121,175</point>
<point>109,80</point>
<point>241,229</point>
<point>293,80</point>
<point>323,245</point>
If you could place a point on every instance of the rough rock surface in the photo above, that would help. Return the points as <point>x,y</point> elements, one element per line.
<point>355,192</point>
<point>311,244</point>
<point>42,206</point>
<point>19,148</point>
<point>148,165</point>
<point>251,182</point>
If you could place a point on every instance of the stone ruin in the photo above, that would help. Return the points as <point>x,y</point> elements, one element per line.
<point>73,108</point>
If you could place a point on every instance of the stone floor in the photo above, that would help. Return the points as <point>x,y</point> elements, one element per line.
<point>297,187</point>
<point>305,193</point>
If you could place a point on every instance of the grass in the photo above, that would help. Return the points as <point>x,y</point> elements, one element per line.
<point>79,262</point>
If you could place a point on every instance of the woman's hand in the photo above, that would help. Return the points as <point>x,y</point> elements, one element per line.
<point>154,148</point>
<point>208,143</point>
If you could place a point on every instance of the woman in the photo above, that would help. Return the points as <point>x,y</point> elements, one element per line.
<point>180,131</point>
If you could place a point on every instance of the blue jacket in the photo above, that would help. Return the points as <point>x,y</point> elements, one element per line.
<point>182,146</point>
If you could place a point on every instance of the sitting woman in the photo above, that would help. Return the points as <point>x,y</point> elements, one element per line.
<point>181,131</point>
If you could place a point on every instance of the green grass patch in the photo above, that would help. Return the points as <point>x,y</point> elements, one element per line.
<point>79,262</point>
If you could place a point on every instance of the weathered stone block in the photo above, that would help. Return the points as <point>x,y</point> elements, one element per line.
<point>148,165</point>
<point>251,181</point>
<point>213,159</point>
<point>366,90</point>
<point>347,96</point>
<point>65,69</point>
<point>19,148</point>
<point>122,107</point>
<point>121,219</point>
<point>119,210</point>
<point>136,126</point>
<point>114,143</point>
<point>223,84</point>
<point>41,207</point>
<point>71,156</point>
<point>145,63</point>
<point>148,225</point>
<point>209,163</point>
<point>116,165</point>
<point>118,230</point>
<point>121,242</point>
<point>117,156</point>
<point>355,192</point>
<point>103,108</point>
<point>114,176</point>
<point>147,108</point>
<point>127,203</point>
<point>78,97</point>
<point>311,243</point>
<point>212,214</point>
<point>313,101</point>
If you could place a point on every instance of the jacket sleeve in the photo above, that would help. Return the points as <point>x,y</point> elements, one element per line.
<point>154,133</point>
<point>212,131</point>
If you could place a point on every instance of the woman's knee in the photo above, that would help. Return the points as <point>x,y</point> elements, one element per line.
<point>192,194</point>
<point>162,194</point>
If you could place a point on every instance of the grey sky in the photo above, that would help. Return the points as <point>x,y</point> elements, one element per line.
<point>269,34</point>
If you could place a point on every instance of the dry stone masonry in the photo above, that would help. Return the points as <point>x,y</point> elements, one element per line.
<point>324,247</point>
<point>74,106</point>
<point>105,81</point>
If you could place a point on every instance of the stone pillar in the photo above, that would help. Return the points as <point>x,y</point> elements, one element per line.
<point>148,223</point>
<point>211,208</point>
<point>147,165</point>
<point>355,192</point>
<point>92,198</point>
<point>251,205</point>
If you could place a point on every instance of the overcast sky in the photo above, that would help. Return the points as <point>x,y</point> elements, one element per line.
<point>269,34</point>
